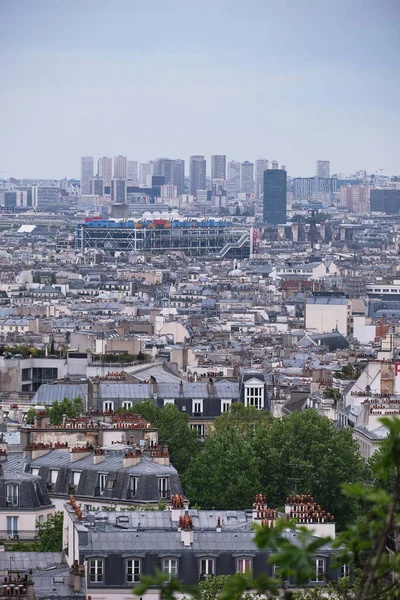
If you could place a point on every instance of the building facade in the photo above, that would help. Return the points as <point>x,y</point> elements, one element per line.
<point>119,167</point>
<point>104,169</point>
<point>247,177</point>
<point>87,172</point>
<point>179,175</point>
<point>323,168</point>
<point>197,174</point>
<point>261,166</point>
<point>274,201</point>
<point>218,166</point>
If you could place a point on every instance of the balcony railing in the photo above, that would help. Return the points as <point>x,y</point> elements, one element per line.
<point>18,535</point>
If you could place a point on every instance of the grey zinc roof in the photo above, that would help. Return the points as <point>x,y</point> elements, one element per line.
<point>49,393</point>
<point>23,561</point>
<point>327,300</point>
<point>113,462</point>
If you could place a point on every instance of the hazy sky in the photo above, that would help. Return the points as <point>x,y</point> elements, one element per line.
<point>291,80</point>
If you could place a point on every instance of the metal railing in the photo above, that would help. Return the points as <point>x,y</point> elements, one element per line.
<point>18,535</point>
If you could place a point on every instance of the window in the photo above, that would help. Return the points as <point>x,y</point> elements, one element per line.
<point>169,401</point>
<point>53,476</point>
<point>12,494</point>
<point>163,487</point>
<point>207,567</point>
<point>254,396</point>
<point>170,567</point>
<point>26,374</point>
<point>133,481</point>
<point>197,407</point>
<point>12,526</point>
<point>127,404</point>
<point>108,406</point>
<point>225,405</point>
<point>96,570</point>
<point>319,570</point>
<point>102,482</point>
<point>199,429</point>
<point>344,571</point>
<point>133,570</point>
<point>34,471</point>
<point>243,565</point>
<point>75,477</point>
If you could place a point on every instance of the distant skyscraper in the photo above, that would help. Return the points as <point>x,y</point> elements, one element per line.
<point>179,175</point>
<point>233,182</point>
<point>104,169</point>
<point>118,190</point>
<point>218,166</point>
<point>132,170</point>
<point>323,168</point>
<point>274,202</point>
<point>120,167</point>
<point>197,174</point>
<point>97,186</point>
<point>247,177</point>
<point>145,169</point>
<point>261,166</point>
<point>87,168</point>
<point>274,164</point>
<point>165,168</point>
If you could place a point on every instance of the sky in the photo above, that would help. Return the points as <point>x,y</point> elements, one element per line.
<point>287,80</point>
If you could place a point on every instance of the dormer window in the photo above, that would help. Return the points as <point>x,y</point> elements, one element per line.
<point>12,496</point>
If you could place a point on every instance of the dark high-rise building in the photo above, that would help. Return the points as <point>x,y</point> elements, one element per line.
<point>179,176</point>
<point>118,191</point>
<point>218,166</point>
<point>385,200</point>
<point>274,202</point>
<point>97,186</point>
<point>164,167</point>
<point>197,174</point>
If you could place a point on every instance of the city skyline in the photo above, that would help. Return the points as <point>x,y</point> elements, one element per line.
<point>312,83</point>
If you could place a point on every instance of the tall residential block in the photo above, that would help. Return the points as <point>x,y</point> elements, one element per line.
<point>145,169</point>
<point>274,202</point>
<point>261,166</point>
<point>198,179</point>
<point>247,177</point>
<point>355,197</point>
<point>87,172</point>
<point>132,170</point>
<point>179,175</point>
<point>233,181</point>
<point>164,167</point>
<point>120,167</point>
<point>104,169</point>
<point>218,166</point>
<point>323,168</point>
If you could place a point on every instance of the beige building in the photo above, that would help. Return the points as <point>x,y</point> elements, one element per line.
<point>355,198</point>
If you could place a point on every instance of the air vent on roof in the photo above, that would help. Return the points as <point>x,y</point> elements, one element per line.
<point>123,519</point>
<point>231,514</point>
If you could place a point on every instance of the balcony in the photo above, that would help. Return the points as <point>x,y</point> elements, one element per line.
<point>18,535</point>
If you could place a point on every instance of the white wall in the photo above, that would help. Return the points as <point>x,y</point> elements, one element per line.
<point>324,318</point>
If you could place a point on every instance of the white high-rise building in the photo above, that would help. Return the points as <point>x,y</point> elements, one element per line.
<point>120,167</point>
<point>274,164</point>
<point>247,177</point>
<point>233,181</point>
<point>261,166</point>
<point>132,170</point>
<point>145,169</point>
<point>323,168</point>
<point>87,167</point>
<point>104,169</point>
<point>218,166</point>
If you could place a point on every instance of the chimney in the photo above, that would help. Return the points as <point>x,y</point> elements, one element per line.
<point>219,528</point>
<point>210,387</point>
<point>42,419</point>
<point>79,452</point>
<point>33,451</point>
<point>3,455</point>
<point>75,574</point>
<point>181,387</point>
<point>131,459</point>
<point>186,527</point>
<point>98,456</point>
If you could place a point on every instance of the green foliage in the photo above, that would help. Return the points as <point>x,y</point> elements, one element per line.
<point>331,393</point>
<point>24,350</point>
<point>347,372</point>
<point>212,588</point>
<point>362,545</point>
<point>305,452</point>
<point>226,474</point>
<point>161,505</point>
<point>71,408</point>
<point>30,416</point>
<point>123,357</point>
<point>49,534</point>
<point>173,431</point>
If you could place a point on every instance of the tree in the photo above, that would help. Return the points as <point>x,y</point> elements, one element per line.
<point>141,356</point>
<point>52,347</point>
<point>362,545</point>
<point>71,408</point>
<point>306,453</point>
<point>225,475</point>
<point>173,429</point>
<point>30,416</point>
<point>49,534</point>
